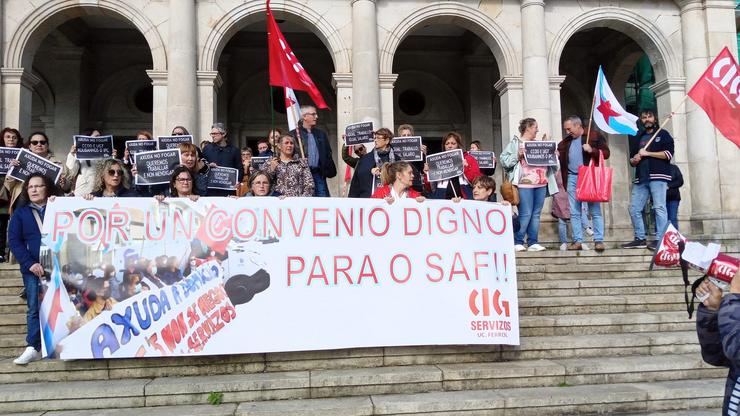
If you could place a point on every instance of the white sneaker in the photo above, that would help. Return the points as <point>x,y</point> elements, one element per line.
<point>30,354</point>
<point>589,231</point>
<point>519,247</point>
<point>585,246</point>
<point>564,247</point>
<point>535,247</point>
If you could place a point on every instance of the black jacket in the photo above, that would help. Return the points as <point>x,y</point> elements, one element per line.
<point>326,157</point>
<point>659,169</point>
<point>673,193</point>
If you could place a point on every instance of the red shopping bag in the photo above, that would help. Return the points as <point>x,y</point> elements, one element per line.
<point>594,182</point>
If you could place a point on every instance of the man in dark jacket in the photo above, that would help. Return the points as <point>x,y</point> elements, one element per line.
<point>576,150</point>
<point>652,174</point>
<point>317,149</point>
<point>718,329</point>
<point>220,153</point>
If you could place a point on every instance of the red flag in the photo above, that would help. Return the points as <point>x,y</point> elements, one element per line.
<point>718,92</point>
<point>285,70</point>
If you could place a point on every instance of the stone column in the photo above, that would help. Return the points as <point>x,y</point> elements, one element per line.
<point>208,84</point>
<point>721,32</point>
<point>387,83</point>
<point>534,61</point>
<point>17,84</point>
<point>510,91</point>
<point>342,83</point>
<point>365,63</point>
<point>702,153</point>
<point>557,116</point>
<point>159,102</point>
<point>222,108</point>
<point>182,90</point>
<point>480,87</point>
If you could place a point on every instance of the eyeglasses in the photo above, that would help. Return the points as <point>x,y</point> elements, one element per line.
<point>217,133</point>
<point>38,142</point>
<point>311,114</point>
<point>260,183</point>
<point>115,172</point>
<point>183,180</point>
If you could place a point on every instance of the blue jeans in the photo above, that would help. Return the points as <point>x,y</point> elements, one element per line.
<point>640,194</point>
<point>563,230</point>
<point>575,213</point>
<point>672,207</point>
<point>320,188</point>
<point>33,336</point>
<point>530,207</point>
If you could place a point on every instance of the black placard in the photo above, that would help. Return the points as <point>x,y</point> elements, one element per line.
<point>138,146</point>
<point>156,167</point>
<point>257,161</point>
<point>540,153</point>
<point>93,147</point>
<point>6,155</point>
<point>172,142</point>
<point>408,148</point>
<point>359,133</point>
<point>445,165</point>
<point>223,178</point>
<point>32,163</point>
<point>485,158</point>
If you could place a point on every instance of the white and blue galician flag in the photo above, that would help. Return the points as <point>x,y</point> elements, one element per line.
<point>55,312</point>
<point>608,113</point>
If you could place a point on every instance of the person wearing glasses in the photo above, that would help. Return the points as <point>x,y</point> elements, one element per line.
<point>367,175</point>
<point>38,144</point>
<point>25,243</point>
<point>219,153</point>
<point>181,185</point>
<point>84,170</point>
<point>317,149</point>
<point>11,138</point>
<point>111,180</point>
<point>260,185</point>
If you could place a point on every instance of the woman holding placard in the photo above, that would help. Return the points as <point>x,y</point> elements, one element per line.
<point>111,180</point>
<point>292,175</point>
<point>367,171</point>
<point>84,170</point>
<point>398,178</point>
<point>128,157</point>
<point>534,184</point>
<point>11,138</point>
<point>458,186</point>
<point>37,144</point>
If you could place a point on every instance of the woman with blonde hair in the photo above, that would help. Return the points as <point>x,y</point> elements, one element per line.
<point>111,180</point>
<point>398,178</point>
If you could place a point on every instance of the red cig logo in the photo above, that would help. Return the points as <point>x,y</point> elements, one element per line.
<point>501,307</point>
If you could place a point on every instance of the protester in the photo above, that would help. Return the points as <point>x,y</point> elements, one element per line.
<point>458,186</point>
<point>359,149</point>
<point>128,158</point>
<point>397,179</point>
<point>317,150</point>
<point>475,145</point>
<point>83,172</point>
<point>673,195</point>
<point>11,138</point>
<point>198,167</point>
<point>247,171</point>
<point>181,185</point>
<point>561,211</point>
<point>179,131</point>
<point>368,169</point>
<point>652,174</point>
<point>260,184</point>
<point>407,130</point>
<point>222,154</point>
<point>38,144</point>
<point>291,174</point>
<point>25,244</point>
<point>579,148</point>
<point>264,149</point>
<point>535,183</point>
<point>717,327</point>
<point>111,180</point>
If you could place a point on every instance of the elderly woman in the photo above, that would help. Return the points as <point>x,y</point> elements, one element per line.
<point>111,180</point>
<point>291,174</point>
<point>398,178</point>
<point>25,243</point>
<point>458,186</point>
<point>38,144</point>
<point>534,184</point>
<point>11,138</point>
<point>367,171</point>
<point>260,185</point>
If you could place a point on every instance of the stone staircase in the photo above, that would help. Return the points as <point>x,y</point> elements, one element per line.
<point>599,335</point>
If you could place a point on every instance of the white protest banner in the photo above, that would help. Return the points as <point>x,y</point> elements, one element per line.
<point>290,274</point>
<point>32,163</point>
<point>173,142</point>
<point>540,153</point>
<point>408,148</point>
<point>359,133</point>
<point>155,167</point>
<point>223,178</point>
<point>6,155</point>
<point>93,147</point>
<point>445,165</point>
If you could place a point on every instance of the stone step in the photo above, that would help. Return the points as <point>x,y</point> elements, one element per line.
<point>566,305</point>
<point>692,412</point>
<point>594,287</point>
<point>236,388</point>
<point>609,323</point>
<point>12,304</point>
<point>228,409</point>
<point>540,401</point>
<point>629,274</point>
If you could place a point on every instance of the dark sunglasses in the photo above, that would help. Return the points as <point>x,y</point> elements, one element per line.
<point>114,172</point>
<point>38,142</point>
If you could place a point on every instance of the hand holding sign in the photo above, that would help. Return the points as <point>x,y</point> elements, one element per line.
<point>156,167</point>
<point>408,148</point>
<point>93,147</point>
<point>29,163</point>
<point>223,178</point>
<point>445,165</point>
<point>537,153</point>
<point>359,133</point>
<point>6,155</point>
<point>172,142</point>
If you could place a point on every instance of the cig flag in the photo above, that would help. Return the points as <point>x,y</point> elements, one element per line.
<point>717,91</point>
<point>285,70</point>
<point>608,113</point>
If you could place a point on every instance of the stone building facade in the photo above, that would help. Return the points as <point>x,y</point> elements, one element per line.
<point>474,66</point>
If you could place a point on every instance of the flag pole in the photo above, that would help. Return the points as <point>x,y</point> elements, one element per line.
<point>668,120</point>
<point>297,125</point>
<point>590,118</point>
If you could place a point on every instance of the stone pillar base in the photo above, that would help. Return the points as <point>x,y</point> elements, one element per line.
<point>714,225</point>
